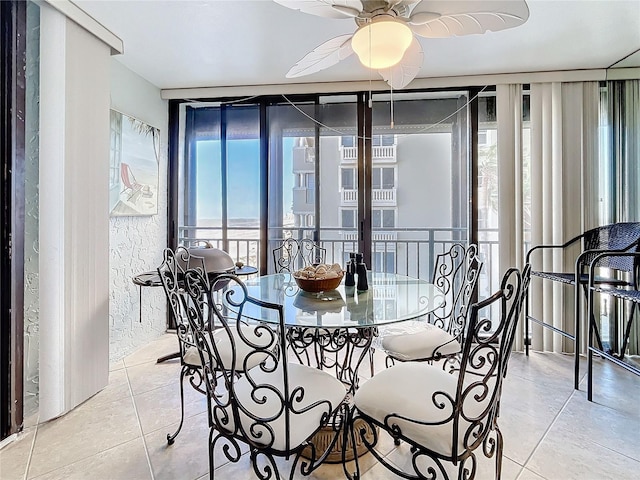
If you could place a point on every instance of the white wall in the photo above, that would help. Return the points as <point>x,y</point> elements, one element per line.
<point>136,243</point>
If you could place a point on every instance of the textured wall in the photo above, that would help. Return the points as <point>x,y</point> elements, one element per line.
<point>136,243</point>
<point>31,258</point>
<point>135,246</point>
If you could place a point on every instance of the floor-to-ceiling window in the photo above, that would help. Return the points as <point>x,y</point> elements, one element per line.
<point>619,198</point>
<point>420,190</point>
<point>389,178</point>
<point>221,168</point>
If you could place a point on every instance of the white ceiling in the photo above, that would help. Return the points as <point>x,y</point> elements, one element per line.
<point>194,43</point>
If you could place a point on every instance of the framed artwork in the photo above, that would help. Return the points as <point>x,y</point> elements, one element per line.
<point>133,169</point>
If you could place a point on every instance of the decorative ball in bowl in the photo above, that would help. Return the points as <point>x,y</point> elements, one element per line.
<point>319,278</point>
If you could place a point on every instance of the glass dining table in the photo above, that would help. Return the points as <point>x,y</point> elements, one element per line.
<point>335,329</point>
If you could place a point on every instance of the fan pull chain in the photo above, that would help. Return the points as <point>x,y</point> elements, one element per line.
<point>392,123</point>
<point>370,73</point>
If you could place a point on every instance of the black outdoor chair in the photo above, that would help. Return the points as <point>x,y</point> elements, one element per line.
<point>616,237</point>
<point>630,294</point>
<point>274,407</point>
<point>294,254</point>
<point>445,417</point>
<point>456,274</point>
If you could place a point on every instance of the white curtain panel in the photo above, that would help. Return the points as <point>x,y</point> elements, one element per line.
<point>564,135</point>
<point>510,224</point>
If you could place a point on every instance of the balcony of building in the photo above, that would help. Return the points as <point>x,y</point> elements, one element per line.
<point>386,153</point>
<point>382,197</point>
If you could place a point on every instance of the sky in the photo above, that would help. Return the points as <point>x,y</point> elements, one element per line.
<point>243,178</point>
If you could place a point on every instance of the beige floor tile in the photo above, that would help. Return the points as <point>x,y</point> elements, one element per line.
<point>547,426</point>
<point>567,455</point>
<point>160,408</point>
<point>613,386</point>
<point>605,426</point>
<point>188,457</point>
<point>117,389</point>
<point>510,469</point>
<point>380,472</point>
<point>124,462</point>
<point>149,376</point>
<point>117,365</point>
<point>551,369</point>
<point>83,432</point>
<point>527,410</point>
<point>529,475</point>
<point>164,345</point>
<point>14,456</point>
<point>521,434</point>
<point>540,395</point>
<point>240,470</point>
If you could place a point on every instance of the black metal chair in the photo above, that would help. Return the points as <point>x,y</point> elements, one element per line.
<point>171,273</point>
<point>274,407</point>
<point>631,294</point>
<point>294,254</point>
<point>445,417</point>
<point>290,256</point>
<point>616,237</point>
<point>456,273</point>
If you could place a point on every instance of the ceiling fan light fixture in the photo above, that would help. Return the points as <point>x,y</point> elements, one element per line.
<point>382,42</point>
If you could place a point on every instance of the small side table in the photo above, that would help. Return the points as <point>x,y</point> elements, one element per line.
<point>146,279</point>
<point>246,270</point>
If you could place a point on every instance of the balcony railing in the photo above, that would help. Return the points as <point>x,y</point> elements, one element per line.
<point>384,196</point>
<point>381,197</point>
<point>379,152</point>
<point>413,251</point>
<point>349,197</point>
<point>377,236</point>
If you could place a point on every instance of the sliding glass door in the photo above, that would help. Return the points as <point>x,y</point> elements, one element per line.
<point>388,178</point>
<point>419,189</point>
<point>222,189</point>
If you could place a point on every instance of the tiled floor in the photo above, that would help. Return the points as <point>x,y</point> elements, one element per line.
<point>550,430</point>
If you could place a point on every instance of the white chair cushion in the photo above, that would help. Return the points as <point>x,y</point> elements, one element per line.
<point>318,386</point>
<point>221,338</point>
<point>192,357</point>
<point>406,389</point>
<point>421,345</point>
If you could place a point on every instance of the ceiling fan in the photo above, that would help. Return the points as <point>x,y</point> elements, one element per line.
<point>386,36</point>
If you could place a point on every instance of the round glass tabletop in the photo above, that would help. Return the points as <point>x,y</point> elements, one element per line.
<point>390,298</point>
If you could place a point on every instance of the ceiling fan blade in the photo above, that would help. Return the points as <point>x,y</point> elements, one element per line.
<point>421,18</point>
<point>323,56</point>
<point>348,11</point>
<point>400,75</point>
<point>466,17</point>
<point>325,8</point>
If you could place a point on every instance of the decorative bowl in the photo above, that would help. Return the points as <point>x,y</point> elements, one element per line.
<point>314,285</point>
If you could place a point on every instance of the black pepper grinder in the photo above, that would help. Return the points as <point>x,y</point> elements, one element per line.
<point>350,276</point>
<point>361,270</point>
